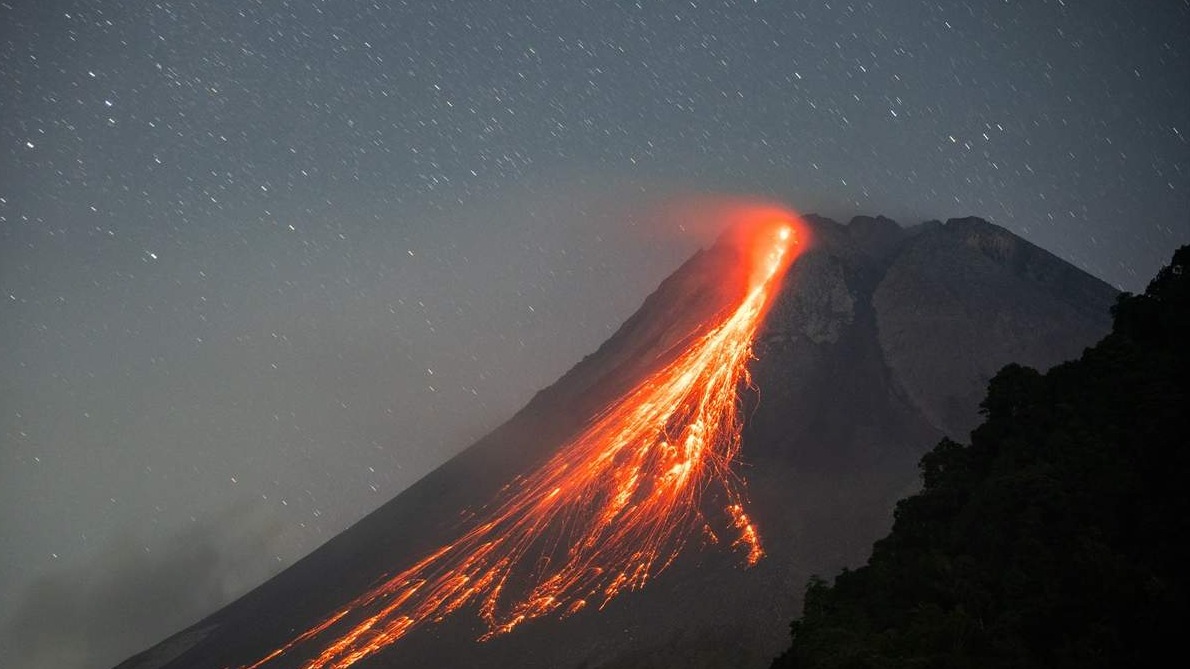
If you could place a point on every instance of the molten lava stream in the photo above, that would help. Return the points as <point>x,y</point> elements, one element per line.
<point>609,510</point>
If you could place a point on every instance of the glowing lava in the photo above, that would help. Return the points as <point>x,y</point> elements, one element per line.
<point>609,510</point>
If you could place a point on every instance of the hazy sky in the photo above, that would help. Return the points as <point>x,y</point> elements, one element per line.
<point>263,264</point>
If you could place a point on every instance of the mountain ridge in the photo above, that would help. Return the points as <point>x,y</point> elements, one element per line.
<point>845,406</point>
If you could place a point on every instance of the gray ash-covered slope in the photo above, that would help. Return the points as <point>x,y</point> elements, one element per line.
<point>880,343</point>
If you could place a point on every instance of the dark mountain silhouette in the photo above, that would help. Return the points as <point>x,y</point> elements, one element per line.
<point>1056,538</point>
<point>878,346</point>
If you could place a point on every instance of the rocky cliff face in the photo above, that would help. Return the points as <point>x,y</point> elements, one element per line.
<point>962,299</point>
<point>879,344</point>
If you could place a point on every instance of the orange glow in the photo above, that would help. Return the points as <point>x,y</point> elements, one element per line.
<point>611,508</point>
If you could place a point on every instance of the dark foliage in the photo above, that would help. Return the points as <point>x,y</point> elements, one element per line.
<point>1058,538</point>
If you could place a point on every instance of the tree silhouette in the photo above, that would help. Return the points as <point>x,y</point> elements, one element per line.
<point>1057,538</point>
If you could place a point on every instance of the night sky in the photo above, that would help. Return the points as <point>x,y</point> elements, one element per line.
<point>264,264</point>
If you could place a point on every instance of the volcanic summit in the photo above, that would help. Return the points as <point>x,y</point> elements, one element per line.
<point>878,341</point>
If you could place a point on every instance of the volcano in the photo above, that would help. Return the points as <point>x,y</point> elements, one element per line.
<point>878,341</point>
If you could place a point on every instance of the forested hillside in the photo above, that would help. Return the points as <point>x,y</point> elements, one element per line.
<point>1058,537</point>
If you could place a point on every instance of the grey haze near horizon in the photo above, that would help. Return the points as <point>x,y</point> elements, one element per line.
<point>264,264</point>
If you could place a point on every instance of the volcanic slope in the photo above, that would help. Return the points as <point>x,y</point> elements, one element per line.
<point>878,344</point>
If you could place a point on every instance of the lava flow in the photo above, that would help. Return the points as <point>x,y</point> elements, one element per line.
<point>610,509</point>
